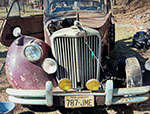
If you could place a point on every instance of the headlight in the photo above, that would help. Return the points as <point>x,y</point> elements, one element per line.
<point>33,52</point>
<point>65,84</point>
<point>93,84</point>
<point>49,66</point>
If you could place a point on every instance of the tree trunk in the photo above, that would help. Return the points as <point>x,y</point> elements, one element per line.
<point>114,2</point>
<point>6,9</point>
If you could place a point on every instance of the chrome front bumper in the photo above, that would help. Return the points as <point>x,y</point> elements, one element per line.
<point>111,96</point>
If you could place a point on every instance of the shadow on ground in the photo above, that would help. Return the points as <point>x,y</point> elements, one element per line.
<point>28,112</point>
<point>123,48</point>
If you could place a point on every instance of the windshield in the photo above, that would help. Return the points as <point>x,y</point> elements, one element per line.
<point>54,6</point>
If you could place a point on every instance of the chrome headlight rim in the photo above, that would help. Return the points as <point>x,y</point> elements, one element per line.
<point>38,47</point>
<point>49,61</point>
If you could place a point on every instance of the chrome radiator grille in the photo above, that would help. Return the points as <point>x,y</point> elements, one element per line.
<point>76,61</point>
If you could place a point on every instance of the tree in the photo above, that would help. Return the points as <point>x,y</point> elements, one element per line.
<point>114,2</point>
<point>6,5</point>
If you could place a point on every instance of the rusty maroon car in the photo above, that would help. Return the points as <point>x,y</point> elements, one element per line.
<point>56,59</point>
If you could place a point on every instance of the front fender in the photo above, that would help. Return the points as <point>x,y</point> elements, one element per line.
<point>23,74</point>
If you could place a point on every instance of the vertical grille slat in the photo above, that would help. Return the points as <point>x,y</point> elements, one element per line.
<point>95,58</point>
<point>74,62</point>
<point>89,42</point>
<point>97,54</point>
<point>82,62</point>
<point>92,66</point>
<point>74,58</point>
<point>68,58</point>
<point>59,58</point>
<point>77,59</point>
<point>57,53</point>
<point>85,68</point>
<point>87,61</point>
<point>71,57</point>
<point>63,58</point>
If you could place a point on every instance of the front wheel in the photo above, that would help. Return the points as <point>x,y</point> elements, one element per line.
<point>133,72</point>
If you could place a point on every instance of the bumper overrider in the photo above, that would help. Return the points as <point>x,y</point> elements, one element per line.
<point>49,97</point>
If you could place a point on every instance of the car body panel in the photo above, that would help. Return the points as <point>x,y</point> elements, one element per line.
<point>23,74</point>
<point>31,26</point>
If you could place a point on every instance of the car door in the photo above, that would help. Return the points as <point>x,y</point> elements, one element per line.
<point>30,25</point>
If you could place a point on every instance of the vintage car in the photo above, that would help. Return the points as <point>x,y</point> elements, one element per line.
<point>55,59</point>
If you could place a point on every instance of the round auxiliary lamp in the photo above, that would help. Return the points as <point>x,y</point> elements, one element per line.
<point>6,107</point>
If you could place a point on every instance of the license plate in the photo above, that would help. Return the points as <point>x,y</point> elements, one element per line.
<point>79,101</point>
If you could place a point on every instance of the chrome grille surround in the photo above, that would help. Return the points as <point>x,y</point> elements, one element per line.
<point>72,51</point>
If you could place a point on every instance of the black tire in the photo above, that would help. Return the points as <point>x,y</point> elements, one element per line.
<point>138,40</point>
<point>120,74</point>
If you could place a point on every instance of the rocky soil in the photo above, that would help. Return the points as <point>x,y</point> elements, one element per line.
<point>137,13</point>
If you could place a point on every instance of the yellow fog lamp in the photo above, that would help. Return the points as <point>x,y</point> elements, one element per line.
<point>93,84</point>
<point>65,84</point>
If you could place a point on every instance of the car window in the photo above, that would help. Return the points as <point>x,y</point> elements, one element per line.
<point>4,9</point>
<point>55,6</point>
<point>5,6</point>
<point>14,9</point>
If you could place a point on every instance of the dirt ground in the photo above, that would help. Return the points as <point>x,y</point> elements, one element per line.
<point>128,22</point>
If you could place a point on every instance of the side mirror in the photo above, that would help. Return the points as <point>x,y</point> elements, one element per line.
<point>17,32</point>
